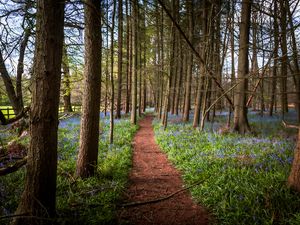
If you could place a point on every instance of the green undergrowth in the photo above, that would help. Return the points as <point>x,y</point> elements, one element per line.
<point>89,201</point>
<point>242,177</point>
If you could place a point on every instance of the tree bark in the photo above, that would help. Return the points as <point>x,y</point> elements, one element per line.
<point>120,57</point>
<point>187,106</point>
<point>202,72</point>
<point>294,177</point>
<point>89,129</point>
<point>274,71</point>
<point>66,82</point>
<point>135,63</point>
<point>38,198</point>
<point>128,57</point>
<point>241,124</point>
<point>112,90</point>
<point>295,61</point>
<point>284,58</point>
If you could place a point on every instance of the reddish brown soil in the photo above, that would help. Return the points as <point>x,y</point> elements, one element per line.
<point>152,177</point>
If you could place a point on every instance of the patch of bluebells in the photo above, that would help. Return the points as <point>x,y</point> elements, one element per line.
<point>69,129</point>
<point>238,171</point>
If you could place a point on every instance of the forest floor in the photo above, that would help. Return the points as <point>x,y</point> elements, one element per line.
<point>153,177</point>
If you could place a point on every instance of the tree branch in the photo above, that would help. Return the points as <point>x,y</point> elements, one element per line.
<point>289,125</point>
<point>14,167</point>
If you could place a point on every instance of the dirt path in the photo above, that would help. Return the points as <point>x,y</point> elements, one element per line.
<point>152,177</point>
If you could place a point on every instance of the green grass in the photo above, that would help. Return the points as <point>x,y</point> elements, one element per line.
<point>7,109</point>
<point>243,178</point>
<point>89,201</point>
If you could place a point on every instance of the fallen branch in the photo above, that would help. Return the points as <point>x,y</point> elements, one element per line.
<point>27,216</point>
<point>130,204</point>
<point>14,167</point>
<point>289,125</point>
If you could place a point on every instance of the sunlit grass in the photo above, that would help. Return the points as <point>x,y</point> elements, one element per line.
<point>7,110</point>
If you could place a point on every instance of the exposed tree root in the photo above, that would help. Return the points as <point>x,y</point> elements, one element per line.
<point>130,204</point>
<point>12,168</point>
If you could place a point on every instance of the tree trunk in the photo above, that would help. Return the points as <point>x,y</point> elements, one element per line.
<point>241,124</point>
<point>162,66</point>
<point>294,177</point>
<point>284,58</point>
<point>38,198</point>
<point>89,129</point>
<point>9,87</point>
<point>295,61</point>
<point>20,71</point>
<point>232,42</point>
<point>112,90</point>
<point>274,71</point>
<point>135,63</point>
<point>66,82</point>
<point>187,105</point>
<point>201,78</point>
<point>120,57</point>
<point>128,57</point>
<point>179,75</point>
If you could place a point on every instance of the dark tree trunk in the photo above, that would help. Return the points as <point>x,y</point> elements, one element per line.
<point>284,58</point>
<point>201,78</point>
<point>127,58</point>
<point>295,60</point>
<point>120,57</point>
<point>38,198</point>
<point>89,129</point>
<point>241,124</point>
<point>187,106</point>
<point>135,63</point>
<point>294,177</point>
<point>112,90</point>
<point>2,118</point>
<point>274,71</point>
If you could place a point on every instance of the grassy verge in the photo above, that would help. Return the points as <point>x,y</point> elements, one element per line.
<point>89,201</point>
<point>243,177</point>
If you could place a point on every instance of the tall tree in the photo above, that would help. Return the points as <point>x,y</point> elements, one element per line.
<point>295,58</point>
<point>112,91</point>
<point>284,57</point>
<point>241,124</point>
<point>135,63</point>
<point>89,129</point>
<point>274,71</point>
<point>128,55</point>
<point>66,82</point>
<point>120,57</point>
<point>38,198</point>
<point>202,71</point>
<point>186,112</point>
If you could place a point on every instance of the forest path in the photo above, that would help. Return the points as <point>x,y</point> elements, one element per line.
<point>152,176</point>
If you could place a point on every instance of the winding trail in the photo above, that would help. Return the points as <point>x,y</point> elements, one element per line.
<point>152,176</point>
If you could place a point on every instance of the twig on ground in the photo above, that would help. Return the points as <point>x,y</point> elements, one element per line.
<point>289,125</point>
<point>130,204</point>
